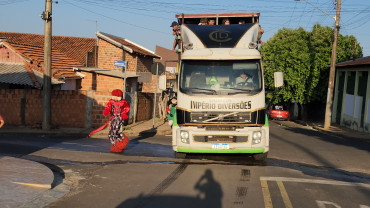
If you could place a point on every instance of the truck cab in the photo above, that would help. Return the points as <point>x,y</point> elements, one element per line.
<point>221,94</point>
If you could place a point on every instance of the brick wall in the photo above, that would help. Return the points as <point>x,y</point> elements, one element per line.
<point>91,60</point>
<point>108,53</point>
<point>7,55</point>
<point>69,108</point>
<point>144,64</point>
<point>99,101</point>
<point>10,106</point>
<point>131,61</point>
<point>100,82</point>
<point>24,107</point>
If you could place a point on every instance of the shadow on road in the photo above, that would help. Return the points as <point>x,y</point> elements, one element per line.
<point>210,195</point>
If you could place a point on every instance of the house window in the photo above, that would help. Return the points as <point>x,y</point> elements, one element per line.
<point>351,83</point>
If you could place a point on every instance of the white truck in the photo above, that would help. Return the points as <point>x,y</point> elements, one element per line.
<point>220,93</point>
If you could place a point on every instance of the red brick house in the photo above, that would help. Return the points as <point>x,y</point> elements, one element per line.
<point>106,77</point>
<point>22,54</point>
<point>83,65</point>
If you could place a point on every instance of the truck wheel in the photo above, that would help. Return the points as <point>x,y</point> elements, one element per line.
<point>180,155</point>
<point>260,156</point>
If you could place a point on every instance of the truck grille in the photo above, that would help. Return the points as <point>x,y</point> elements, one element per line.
<point>221,117</point>
<point>220,138</point>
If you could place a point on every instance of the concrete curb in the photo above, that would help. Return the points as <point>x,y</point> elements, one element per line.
<point>347,134</point>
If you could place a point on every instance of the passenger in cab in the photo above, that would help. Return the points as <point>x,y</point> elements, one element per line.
<point>203,21</point>
<point>241,22</point>
<point>211,22</point>
<point>226,21</point>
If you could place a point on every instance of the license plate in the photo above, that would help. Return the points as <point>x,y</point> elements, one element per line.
<point>220,146</point>
<point>279,116</point>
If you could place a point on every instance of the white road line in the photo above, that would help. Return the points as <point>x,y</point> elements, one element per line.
<point>302,180</point>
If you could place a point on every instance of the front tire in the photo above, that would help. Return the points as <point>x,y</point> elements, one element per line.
<point>260,156</point>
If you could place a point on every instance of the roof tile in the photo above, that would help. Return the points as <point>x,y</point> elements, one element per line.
<point>356,62</point>
<point>135,47</point>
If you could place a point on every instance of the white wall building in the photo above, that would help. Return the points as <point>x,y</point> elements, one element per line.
<point>351,107</point>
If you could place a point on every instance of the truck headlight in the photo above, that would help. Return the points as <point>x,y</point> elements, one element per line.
<point>256,137</point>
<point>184,135</point>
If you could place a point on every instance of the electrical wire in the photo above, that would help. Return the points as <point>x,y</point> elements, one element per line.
<point>117,20</point>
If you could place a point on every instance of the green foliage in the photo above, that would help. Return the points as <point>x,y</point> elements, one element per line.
<point>304,58</point>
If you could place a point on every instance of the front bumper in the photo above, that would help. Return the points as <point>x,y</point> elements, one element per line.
<point>245,145</point>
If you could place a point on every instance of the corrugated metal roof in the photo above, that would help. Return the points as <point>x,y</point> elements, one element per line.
<point>40,78</point>
<point>107,72</point>
<point>15,73</point>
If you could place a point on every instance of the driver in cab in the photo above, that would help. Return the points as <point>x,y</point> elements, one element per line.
<point>244,80</point>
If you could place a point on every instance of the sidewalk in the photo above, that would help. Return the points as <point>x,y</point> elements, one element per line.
<point>142,128</point>
<point>22,180</point>
<point>334,129</point>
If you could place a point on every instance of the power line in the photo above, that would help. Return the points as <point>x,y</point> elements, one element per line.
<point>115,19</point>
<point>8,2</point>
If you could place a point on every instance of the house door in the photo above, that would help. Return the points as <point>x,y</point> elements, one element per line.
<point>341,76</point>
<point>362,88</point>
<point>144,106</point>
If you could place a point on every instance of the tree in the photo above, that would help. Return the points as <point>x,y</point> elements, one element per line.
<point>290,50</point>
<point>304,58</point>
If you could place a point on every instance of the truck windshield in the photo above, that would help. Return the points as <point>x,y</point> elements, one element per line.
<point>220,77</point>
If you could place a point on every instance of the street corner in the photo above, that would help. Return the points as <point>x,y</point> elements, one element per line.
<point>22,180</point>
<point>293,123</point>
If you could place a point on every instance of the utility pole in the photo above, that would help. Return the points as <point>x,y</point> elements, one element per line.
<point>125,72</point>
<point>46,114</point>
<point>329,101</point>
<point>155,94</point>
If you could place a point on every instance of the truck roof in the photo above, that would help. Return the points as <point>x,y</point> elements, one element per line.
<point>248,17</point>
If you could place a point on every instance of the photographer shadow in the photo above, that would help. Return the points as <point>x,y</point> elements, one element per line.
<point>210,195</point>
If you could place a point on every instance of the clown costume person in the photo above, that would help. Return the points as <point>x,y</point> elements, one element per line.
<point>118,108</point>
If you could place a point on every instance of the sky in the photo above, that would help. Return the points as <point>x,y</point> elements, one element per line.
<point>147,22</point>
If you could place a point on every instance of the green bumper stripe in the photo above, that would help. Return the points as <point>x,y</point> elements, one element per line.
<point>266,120</point>
<point>187,150</point>
<point>175,120</point>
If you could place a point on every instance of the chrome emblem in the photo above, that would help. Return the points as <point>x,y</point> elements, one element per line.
<point>220,36</point>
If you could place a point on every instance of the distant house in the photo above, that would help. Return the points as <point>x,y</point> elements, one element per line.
<point>168,61</point>
<point>107,77</point>
<point>111,48</point>
<point>351,106</point>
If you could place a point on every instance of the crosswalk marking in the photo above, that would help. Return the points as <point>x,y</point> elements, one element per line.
<point>327,182</point>
<point>284,194</point>
<point>266,194</point>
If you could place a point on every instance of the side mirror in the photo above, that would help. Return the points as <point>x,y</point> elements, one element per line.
<point>278,79</point>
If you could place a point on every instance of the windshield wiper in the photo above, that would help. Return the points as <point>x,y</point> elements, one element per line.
<point>234,88</point>
<point>209,90</point>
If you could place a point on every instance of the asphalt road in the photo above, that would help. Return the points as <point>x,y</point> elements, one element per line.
<point>305,168</point>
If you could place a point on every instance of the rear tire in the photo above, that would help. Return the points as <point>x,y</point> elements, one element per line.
<point>180,155</point>
<point>260,156</point>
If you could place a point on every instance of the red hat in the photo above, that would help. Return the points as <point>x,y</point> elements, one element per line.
<point>117,93</point>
